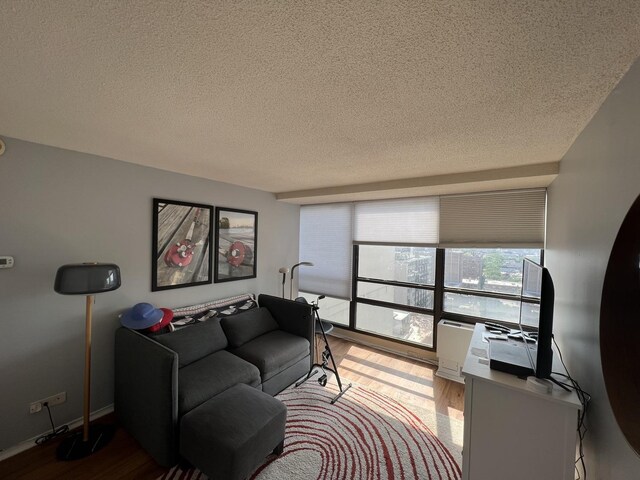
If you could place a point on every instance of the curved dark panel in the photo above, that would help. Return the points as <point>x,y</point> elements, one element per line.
<point>620,327</point>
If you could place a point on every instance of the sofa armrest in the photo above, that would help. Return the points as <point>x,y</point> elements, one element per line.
<point>146,393</point>
<point>292,317</point>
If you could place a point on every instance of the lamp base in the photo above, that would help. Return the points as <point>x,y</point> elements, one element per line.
<point>74,448</point>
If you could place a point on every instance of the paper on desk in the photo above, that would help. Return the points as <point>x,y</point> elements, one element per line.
<point>479,352</point>
<point>486,336</point>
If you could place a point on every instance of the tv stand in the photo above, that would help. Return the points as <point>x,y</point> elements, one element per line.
<point>511,430</point>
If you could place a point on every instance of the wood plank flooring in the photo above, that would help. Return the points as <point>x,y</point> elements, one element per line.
<point>404,379</point>
<point>407,380</point>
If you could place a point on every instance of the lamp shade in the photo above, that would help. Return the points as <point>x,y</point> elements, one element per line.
<point>87,278</point>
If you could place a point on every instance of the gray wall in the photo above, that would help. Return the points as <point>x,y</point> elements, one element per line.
<point>599,180</point>
<point>59,206</point>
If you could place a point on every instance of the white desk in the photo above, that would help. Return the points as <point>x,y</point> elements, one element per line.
<point>510,430</point>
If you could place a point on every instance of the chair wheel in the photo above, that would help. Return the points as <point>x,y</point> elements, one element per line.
<point>323,380</point>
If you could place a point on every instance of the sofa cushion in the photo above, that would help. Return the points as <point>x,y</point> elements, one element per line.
<point>211,375</point>
<point>195,342</point>
<point>273,352</point>
<point>248,325</point>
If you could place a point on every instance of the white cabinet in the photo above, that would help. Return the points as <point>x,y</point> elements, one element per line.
<point>510,429</point>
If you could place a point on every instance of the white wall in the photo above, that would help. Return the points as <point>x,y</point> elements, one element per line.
<point>59,206</point>
<point>598,181</point>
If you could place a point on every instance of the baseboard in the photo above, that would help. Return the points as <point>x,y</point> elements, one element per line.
<point>456,378</point>
<point>27,444</point>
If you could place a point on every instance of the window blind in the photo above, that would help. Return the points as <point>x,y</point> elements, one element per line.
<point>403,221</point>
<point>494,219</point>
<point>326,234</point>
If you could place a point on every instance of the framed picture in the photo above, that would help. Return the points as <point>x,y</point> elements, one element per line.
<point>236,244</point>
<point>182,238</point>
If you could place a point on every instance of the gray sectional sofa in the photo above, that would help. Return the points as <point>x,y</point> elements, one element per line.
<point>159,379</point>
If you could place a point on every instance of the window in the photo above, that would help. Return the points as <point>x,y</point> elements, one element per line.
<point>486,282</point>
<point>512,218</point>
<point>395,290</point>
<point>413,297</point>
<point>325,240</point>
<point>335,310</point>
<point>399,264</point>
<point>396,267</point>
<point>399,221</point>
<point>396,323</point>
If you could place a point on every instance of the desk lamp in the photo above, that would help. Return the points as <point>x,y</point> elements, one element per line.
<point>86,279</point>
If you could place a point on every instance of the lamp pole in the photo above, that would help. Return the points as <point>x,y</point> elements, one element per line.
<point>283,271</point>
<point>87,369</point>
<point>293,269</point>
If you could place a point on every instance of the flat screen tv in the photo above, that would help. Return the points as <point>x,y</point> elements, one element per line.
<point>538,285</point>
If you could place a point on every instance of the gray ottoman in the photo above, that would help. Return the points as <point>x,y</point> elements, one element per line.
<point>230,435</point>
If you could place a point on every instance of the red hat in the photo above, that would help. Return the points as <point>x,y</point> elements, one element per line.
<point>166,319</point>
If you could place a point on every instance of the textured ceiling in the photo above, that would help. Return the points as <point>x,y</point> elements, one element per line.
<point>288,96</point>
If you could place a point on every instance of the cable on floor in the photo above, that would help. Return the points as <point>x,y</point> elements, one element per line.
<point>55,432</point>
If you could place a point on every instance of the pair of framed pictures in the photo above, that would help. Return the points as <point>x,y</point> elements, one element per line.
<point>185,250</point>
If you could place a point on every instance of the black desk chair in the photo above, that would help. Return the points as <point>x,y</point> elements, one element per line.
<point>322,327</point>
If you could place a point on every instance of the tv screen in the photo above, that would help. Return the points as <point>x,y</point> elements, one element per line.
<point>538,285</point>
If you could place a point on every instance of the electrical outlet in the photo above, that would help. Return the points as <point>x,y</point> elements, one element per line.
<point>56,399</point>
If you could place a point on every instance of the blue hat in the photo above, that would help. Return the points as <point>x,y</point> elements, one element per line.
<point>141,316</point>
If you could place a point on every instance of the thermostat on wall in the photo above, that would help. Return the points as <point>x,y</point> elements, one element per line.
<point>6,261</point>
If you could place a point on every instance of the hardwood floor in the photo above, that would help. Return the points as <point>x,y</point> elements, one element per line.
<point>122,459</point>
<point>407,380</point>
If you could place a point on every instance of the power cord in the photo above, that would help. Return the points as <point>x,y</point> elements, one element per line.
<point>55,432</point>
<point>584,398</point>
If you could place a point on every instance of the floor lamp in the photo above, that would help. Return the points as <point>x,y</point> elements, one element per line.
<point>293,269</point>
<point>86,279</point>
<point>283,271</point>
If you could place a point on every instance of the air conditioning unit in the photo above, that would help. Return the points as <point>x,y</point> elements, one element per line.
<point>453,343</point>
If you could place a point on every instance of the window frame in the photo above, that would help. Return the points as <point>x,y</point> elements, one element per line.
<point>439,290</point>
<point>379,303</point>
<point>471,319</point>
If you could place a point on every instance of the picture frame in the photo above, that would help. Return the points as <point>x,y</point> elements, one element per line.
<point>181,244</point>
<point>236,244</point>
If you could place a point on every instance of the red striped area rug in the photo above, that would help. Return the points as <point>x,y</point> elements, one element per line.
<point>364,435</point>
